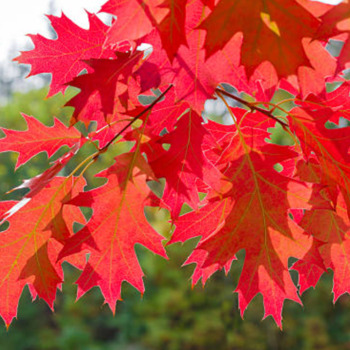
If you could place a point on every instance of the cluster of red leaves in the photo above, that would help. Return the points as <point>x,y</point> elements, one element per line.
<point>194,46</point>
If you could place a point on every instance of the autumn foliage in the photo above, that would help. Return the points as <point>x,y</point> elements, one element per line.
<point>275,202</point>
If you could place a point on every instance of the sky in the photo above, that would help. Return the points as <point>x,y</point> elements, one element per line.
<point>21,17</point>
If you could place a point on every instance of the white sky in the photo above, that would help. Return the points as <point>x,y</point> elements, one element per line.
<point>21,17</point>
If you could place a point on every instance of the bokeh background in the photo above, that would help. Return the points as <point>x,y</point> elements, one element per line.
<point>171,314</point>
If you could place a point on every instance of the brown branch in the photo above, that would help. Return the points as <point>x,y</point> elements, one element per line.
<point>253,107</point>
<point>148,108</point>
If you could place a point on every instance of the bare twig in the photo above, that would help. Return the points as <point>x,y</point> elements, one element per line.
<point>253,107</point>
<point>148,108</point>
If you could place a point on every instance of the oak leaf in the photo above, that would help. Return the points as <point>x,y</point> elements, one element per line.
<point>253,222</point>
<point>64,57</point>
<point>184,163</point>
<point>111,238</point>
<point>102,88</point>
<point>272,31</point>
<point>26,248</point>
<point>38,138</point>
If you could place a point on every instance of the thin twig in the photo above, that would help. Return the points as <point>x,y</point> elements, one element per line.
<point>252,107</point>
<point>148,108</point>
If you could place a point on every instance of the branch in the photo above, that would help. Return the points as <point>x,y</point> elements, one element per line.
<point>148,108</point>
<point>253,107</point>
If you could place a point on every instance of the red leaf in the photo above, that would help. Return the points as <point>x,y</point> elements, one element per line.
<point>64,57</point>
<point>134,18</point>
<point>172,27</point>
<point>111,238</point>
<point>38,138</point>
<point>309,272</point>
<point>202,223</point>
<point>191,83</point>
<point>195,77</point>
<point>37,183</point>
<point>184,163</point>
<point>312,80</point>
<point>335,22</point>
<point>25,255</point>
<point>337,100</point>
<point>331,146</point>
<point>163,115</point>
<point>168,16</point>
<point>270,29</point>
<point>258,221</point>
<point>331,227</point>
<point>101,89</point>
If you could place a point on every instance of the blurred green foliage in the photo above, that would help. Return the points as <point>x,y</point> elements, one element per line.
<point>171,315</point>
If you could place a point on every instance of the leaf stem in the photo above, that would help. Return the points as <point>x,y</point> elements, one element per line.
<point>148,108</point>
<point>252,107</point>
